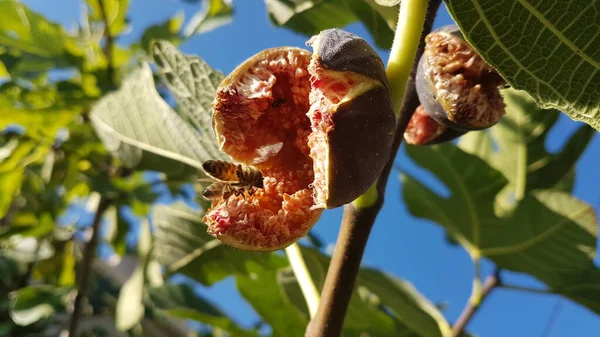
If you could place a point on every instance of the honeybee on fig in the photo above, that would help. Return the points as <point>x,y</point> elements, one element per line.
<point>231,179</point>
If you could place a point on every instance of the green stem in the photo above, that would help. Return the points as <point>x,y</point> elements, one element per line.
<point>359,217</point>
<point>476,290</point>
<point>402,55</point>
<point>404,48</point>
<point>309,290</point>
<point>471,308</point>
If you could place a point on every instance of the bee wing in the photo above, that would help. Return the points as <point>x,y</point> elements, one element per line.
<point>214,190</point>
<point>267,152</point>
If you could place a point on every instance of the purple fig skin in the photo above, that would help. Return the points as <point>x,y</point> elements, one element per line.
<point>343,51</point>
<point>426,91</point>
<point>363,127</point>
<point>449,135</point>
<point>360,145</point>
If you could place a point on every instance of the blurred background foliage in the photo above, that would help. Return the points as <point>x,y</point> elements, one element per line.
<point>95,134</point>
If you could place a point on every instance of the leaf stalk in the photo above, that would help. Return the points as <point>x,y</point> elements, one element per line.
<point>307,285</point>
<point>471,307</point>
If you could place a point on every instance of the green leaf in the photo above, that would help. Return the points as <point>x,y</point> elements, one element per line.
<point>381,305</point>
<point>549,49</point>
<point>388,3</point>
<point>116,230</point>
<point>214,14</point>
<point>9,269</point>
<point>115,11</point>
<point>183,246</point>
<point>130,304</point>
<point>168,30</point>
<point>10,184</point>
<point>193,83</point>
<point>41,227</point>
<point>130,308</point>
<point>550,235</point>
<point>144,132</point>
<point>28,249</point>
<point>38,123</point>
<point>30,33</point>
<point>405,302</point>
<point>180,301</point>
<point>311,17</point>
<point>67,274</point>
<point>263,291</point>
<point>521,156</point>
<point>31,304</point>
<point>585,291</point>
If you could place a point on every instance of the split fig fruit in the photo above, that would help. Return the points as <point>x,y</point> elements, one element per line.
<point>318,126</point>
<point>455,85</point>
<point>424,130</point>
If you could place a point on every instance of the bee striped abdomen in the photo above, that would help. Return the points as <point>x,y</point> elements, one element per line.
<point>221,170</point>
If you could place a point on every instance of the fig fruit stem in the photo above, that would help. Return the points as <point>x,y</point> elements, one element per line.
<point>404,48</point>
<point>307,285</point>
<point>358,217</point>
<point>411,19</point>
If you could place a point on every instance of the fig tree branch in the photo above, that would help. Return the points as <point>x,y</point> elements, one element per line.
<point>358,221</point>
<point>471,307</point>
<point>85,267</point>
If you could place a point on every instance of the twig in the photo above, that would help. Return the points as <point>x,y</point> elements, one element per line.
<point>83,277</point>
<point>358,222</point>
<point>552,318</point>
<point>471,307</point>
<point>526,289</point>
<point>342,272</point>
<point>108,47</point>
<point>307,285</point>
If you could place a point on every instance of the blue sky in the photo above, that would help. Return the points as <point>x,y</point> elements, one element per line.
<point>400,244</point>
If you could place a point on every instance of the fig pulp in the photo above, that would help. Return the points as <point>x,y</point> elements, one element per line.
<point>318,126</point>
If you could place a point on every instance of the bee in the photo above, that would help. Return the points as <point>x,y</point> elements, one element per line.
<point>231,179</point>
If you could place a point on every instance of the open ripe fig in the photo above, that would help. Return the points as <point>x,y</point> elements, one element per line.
<point>455,85</point>
<point>424,130</point>
<point>318,126</point>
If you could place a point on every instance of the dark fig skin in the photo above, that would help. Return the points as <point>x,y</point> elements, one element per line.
<point>360,142</point>
<point>361,147</point>
<point>448,135</point>
<point>343,51</point>
<point>426,92</point>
